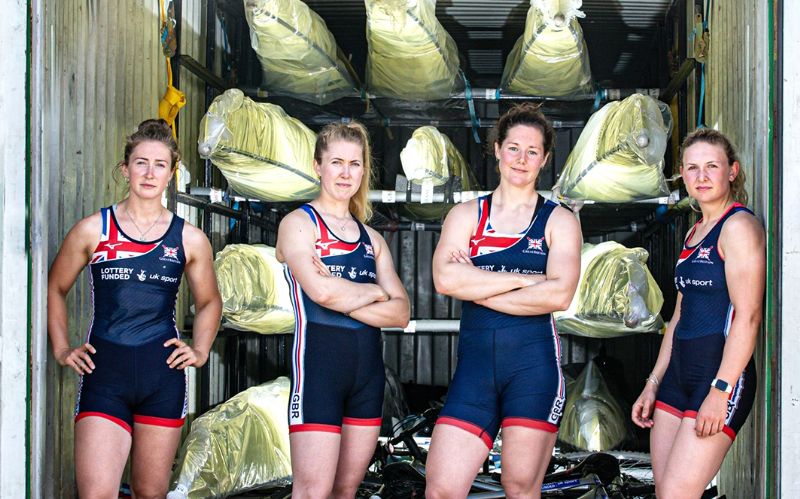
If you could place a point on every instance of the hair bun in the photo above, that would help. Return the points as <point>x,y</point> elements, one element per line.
<point>153,123</point>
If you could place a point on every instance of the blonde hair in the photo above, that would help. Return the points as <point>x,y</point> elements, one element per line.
<point>354,132</point>
<point>717,138</point>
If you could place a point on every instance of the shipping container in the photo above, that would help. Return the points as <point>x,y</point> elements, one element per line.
<point>81,74</point>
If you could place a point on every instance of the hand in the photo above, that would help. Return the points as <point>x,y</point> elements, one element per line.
<point>184,356</point>
<point>642,410</point>
<point>460,256</point>
<point>322,269</point>
<point>711,416</point>
<point>77,358</point>
<point>382,295</point>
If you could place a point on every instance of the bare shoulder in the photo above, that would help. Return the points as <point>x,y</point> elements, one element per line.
<point>86,232</point>
<point>378,242</point>
<point>564,219</point>
<point>741,227</point>
<point>463,215</point>
<point>192,236</point>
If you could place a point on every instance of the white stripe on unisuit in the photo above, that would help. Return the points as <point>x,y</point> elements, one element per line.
<point>298,350</point>
<point>557,409</point>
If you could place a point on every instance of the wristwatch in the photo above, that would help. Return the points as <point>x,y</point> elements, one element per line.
<point>721,385</point>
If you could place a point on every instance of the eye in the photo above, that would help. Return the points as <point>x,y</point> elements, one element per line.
<point>513,148</point>
<point>533,153</point>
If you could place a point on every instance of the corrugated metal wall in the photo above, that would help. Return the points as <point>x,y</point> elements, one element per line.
<point>737,96</point>
<point>102,77</point>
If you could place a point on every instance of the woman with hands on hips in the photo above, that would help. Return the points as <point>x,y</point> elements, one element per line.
<point>344,288</point>
<point>132,394</point>
<point>513,258</point>
<point>703,384</point>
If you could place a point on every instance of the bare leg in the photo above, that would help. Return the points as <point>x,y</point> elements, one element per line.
<point>355,451</point>
<point>693,463</point>
<point>154,449</point>
<point>314,458</point>
<point>526,454</point>
<point>662,438</point>
<point>101,451</point>
<point>454,459</point>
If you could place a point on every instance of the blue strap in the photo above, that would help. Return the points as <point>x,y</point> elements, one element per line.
<point>599,95</point>
<point>702,96</point>
<point>476,122</point>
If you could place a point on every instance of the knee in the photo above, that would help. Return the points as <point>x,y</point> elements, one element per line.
<point>148,492</point>
<point>515,486</point>
<point>342,491</point>
<point>313,490</point>
<point>669,489</point>
<point>435,489</point>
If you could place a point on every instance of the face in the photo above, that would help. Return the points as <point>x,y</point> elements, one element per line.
<point>148,169</point>
<point>707,173</point>
<point>341,169</point>
<point>521,155</point>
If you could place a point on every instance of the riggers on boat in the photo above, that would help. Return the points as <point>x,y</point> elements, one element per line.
<point>255,294</point>
<point>263,152</point>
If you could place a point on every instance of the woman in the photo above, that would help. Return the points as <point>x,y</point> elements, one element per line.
<point>133,389</point>
<point>513,258</point>
<point>703,384</point>
<point>344,289</point>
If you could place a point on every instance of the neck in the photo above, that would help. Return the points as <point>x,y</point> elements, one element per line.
<point>143,209</point>
<point>333,207</point>
<point>512,195</point>
<point>714,210</point>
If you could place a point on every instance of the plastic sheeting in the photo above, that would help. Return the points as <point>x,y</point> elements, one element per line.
<point>619,156</point>
<point>240,444</point>
<point>550,59</point>
<point>255,294</point>
<point>297,52</point>
<point>410,56</point>
<point>263,152</point>
<point>593,419</point>
<point>431,161</point>
<point>616,294</point>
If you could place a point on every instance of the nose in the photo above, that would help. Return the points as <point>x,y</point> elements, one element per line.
<point>346,171</point>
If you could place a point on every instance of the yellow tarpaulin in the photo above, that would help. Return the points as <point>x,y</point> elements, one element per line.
<point>297,52</point>
<point>263,152</point>
<point>255,294</point>
<point>410,55</point>
<point>431,160</point>
<point>619,156</point>
<point>550,59</point>
<point>240,444</point>
<point>616,294</point>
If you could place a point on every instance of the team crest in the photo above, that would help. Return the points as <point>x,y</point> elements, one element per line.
<point>369,250</point>
<point>170,254</point>
<point>534,244</point>
<point>704,253</point>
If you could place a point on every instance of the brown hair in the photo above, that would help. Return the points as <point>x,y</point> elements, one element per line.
<point>717,138</point>
<point>356,133</point>
<point>526,113</point>
<point>147,131</point>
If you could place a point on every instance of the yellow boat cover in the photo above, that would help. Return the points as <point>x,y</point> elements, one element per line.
<point>616,294</point>
<point>593,419</point>
<point>263,152</point>
<point>297,52</point>
<point>619,156</point>
<point>410,55</point>
<point>255,294</point>
<point>550,59</point>
<point>240,444</point>
<point>430,159</point>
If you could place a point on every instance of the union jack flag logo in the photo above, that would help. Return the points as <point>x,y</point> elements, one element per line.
<point>704,253</point>
<point>170,252</point>
<point>534,244</point>
<point>369,250</point>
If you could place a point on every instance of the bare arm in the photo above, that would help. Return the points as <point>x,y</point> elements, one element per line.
<point>199,271</point>
<point>564,239</point>
<point>394,312</point>
<point>454,275</point>
<point>642,410</point>
<point>296,238</point>
<point>72,257</point>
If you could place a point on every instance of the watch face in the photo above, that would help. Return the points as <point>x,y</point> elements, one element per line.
<point>721,385</point>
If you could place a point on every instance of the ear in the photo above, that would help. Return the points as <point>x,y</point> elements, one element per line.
<point>317,168</point>
<point>125,171</point>
<point>734,170</point>
<point>497,151</point>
